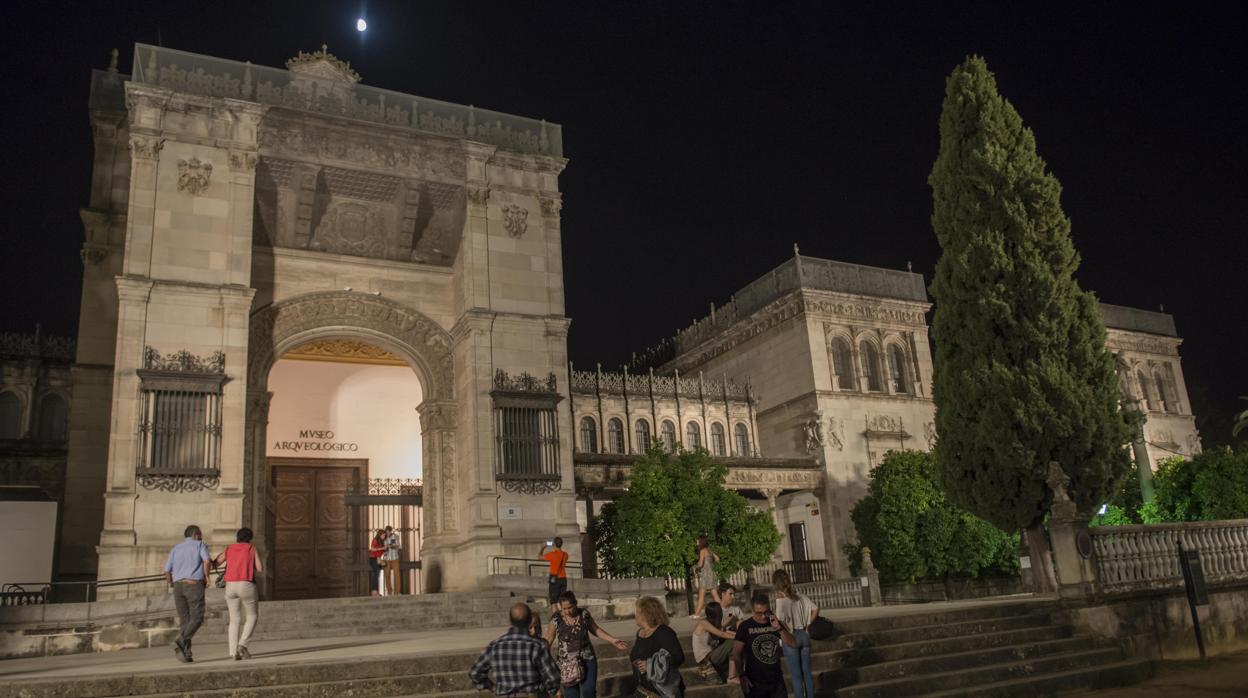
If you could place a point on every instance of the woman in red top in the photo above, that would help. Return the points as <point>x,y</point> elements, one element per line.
<point>376,547</point>
<point>241,564</point>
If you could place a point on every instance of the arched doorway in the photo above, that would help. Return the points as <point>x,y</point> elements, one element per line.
<point>413,339</point>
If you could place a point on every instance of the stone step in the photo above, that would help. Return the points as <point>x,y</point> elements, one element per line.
<point>862,656</point>
<point>936,631</point>
<point>970,677</point>
<point>991,654</point>
<point>1121,673</point>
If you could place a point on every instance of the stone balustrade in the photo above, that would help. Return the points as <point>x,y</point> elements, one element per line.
<point>1135,558</point>
<point>835,593</point>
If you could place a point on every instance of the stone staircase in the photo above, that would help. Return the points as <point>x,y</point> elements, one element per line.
<point>1002,650</point>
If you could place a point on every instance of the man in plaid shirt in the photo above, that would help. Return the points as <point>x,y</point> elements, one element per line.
<point>521,663</point>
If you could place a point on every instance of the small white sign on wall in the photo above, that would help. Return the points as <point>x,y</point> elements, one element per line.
<point>866,582</point>
<point>1024,562</point>
<point>510,512</point>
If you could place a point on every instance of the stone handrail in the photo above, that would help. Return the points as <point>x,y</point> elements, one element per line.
<point>1134,558</point>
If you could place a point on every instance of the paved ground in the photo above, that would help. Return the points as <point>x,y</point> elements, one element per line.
<point>1219,676</point>
<point>213,655</point>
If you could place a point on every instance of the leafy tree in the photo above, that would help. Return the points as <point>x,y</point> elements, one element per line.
<point>915,532</point>
<point>1211,486</point>
<point>672,498</point>
<point>1241,421</point>
<point>1124,505</point>
<point>1022,375</point>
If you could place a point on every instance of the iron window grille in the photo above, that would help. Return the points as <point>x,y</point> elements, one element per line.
<point>180,421</point>
<point>526,429</point>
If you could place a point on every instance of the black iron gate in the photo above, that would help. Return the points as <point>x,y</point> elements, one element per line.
<point>373,506</point>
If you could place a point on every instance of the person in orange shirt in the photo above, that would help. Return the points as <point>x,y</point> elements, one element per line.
<point>558,582</point>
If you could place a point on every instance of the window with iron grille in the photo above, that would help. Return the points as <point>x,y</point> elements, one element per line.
<point>643,436</point>
<point>526,432</point>
<point>180,416</point>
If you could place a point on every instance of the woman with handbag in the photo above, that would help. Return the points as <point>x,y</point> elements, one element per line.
<point>242,561</point>
<point>796,612</point>
<point>569,635</point>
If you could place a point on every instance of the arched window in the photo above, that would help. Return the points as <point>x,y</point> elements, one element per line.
<point>1163,391</point>
<point>53,412</point>
<point>669,435</point>
<point>10,416</point>
<point>843,364</point>
<point>1146,391</point>
<point>897,369</point>
<point>615,436</point>
<point>642,436</point>
<point>871,366</point>
<point>589,435</point>
<point>742,438</point>
<point>718,445</point>
<point>693,436</point>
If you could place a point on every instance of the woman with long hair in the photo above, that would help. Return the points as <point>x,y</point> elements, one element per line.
<point>569,635</point>
<point>795,612</point>
<point>376,547</point>
<point>712,645</point>
<point>704,574</point>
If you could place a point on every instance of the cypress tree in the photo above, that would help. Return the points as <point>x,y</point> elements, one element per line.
<point>1022,375</point>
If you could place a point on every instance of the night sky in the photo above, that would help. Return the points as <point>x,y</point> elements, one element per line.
<point>706,138</point>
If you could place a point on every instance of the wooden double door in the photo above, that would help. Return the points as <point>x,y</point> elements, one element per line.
<point>313,550</point>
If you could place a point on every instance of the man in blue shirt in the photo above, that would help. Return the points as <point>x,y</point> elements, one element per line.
<point>187,572</point>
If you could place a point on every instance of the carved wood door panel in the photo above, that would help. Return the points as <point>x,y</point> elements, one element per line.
<point>311,545</point>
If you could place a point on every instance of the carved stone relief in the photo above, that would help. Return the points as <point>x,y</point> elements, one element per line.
<point>515,220</point>
<point>194,175</point>
<point>884,424</point>
<point>929,432</point>
<point>550,205</point>
<point>812,431</point>
<point>836,433</point>
<point>146,147</point>
<point>351,228</point>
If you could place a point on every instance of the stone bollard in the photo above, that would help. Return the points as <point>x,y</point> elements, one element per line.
<point>870,581</point>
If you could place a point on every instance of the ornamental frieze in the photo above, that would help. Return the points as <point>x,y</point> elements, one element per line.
<point>739,477</point>
<point>425,158</point>
<point>1142,346</point>
<point>860,311</point>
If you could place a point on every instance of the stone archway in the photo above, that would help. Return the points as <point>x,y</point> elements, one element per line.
<point>282,326</point>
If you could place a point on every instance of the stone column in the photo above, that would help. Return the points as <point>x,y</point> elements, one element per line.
<point>258,512</point>
<point>440,489</point>
<point>589,546</point>
<point>1068,534</point>
<point>771,493</point>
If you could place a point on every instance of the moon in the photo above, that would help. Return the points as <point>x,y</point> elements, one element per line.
<point>361,25</point>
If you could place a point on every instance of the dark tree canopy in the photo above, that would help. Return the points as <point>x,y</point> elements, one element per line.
<point>1022,375</point>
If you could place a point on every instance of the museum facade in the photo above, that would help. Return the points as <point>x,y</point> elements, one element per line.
<point>300,292</point>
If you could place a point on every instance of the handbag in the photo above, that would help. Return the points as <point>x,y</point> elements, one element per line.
<point>571,670</point>
<point>821,629</point>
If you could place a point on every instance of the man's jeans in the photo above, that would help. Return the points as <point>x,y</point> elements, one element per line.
<point>188,598</point>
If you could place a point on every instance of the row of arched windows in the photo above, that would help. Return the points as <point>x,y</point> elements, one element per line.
<point>667,433</point>
<point>1157,390</point>
<point>873,370</point>
<point>50,420</point>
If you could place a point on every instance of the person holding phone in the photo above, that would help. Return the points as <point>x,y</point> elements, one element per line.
<point>557,583</point>
<point>756,651</point>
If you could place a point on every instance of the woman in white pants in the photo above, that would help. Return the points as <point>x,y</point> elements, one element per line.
<point>242,562</point>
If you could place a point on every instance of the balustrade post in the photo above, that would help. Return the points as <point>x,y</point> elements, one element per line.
<point>1071,542</point>
<point>870,580</point>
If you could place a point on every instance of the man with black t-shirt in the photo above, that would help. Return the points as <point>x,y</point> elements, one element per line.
<point>756,651</point>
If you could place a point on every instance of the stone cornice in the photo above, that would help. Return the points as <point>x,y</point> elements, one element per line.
<point>1141,342</point>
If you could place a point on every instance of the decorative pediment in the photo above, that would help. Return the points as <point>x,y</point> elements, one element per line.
<point>323,65</point>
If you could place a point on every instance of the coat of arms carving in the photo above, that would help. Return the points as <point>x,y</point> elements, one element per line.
<point>515,220</point>
<point>193,175</point>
